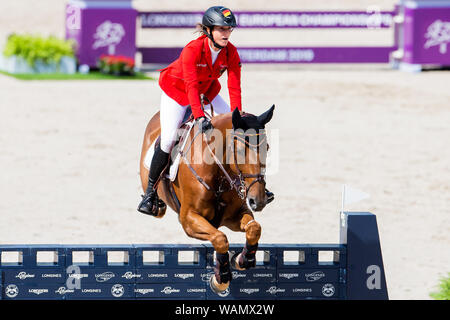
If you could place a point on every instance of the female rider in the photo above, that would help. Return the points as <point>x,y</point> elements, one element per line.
<point>195,72</point>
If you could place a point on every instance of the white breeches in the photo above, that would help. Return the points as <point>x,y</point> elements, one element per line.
<point>171,115</point>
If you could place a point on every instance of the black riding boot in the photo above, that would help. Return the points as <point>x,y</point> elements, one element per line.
<point>149,201</point>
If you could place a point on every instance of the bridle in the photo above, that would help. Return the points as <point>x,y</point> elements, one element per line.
<point>237,182</point>
<point>241,190</point>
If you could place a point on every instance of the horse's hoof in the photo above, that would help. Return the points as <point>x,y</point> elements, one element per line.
<point>235,262</point>
<point>217,287</point>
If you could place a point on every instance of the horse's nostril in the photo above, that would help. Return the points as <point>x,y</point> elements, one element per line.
<point>252,203</point>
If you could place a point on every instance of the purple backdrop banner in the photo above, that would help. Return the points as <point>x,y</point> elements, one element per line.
<point>261,19</point>
<point>110,28</point>
<point>427,35</point>
<point>285,55</point>
<point>100,31</point>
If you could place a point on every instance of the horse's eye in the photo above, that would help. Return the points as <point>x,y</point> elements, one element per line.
<point>267,147</point>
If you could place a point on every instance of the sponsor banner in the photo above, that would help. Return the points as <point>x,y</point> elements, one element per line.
<point>26,291</point>
<point>101,31</point>
<point>183,275</point>
<point>252,276</point>
<point>246,291</point>
<point>164,56</point>
<point>158,55</point>
<point>260,19</point>
<point>100,291</point>
<point>426,35</point>
<point>247,276</point>
<point>61,291</point>
<point>170,19</point>
<point>308,275</point>
<point>315,290</point>
<point>255,275</point>
<point>105,275</point>
<point>316,55</point>
<point>50,275</point>
<point>170,290</point>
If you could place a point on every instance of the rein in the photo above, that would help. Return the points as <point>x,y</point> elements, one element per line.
<point>238,182</point>
<point>183,154</point>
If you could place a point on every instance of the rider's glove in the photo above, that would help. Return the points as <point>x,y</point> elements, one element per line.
<point>205,124</point>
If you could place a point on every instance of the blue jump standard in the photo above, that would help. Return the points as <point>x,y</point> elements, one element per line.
<point>170,272</point>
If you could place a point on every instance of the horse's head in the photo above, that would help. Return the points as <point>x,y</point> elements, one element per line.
<point>249,154</point>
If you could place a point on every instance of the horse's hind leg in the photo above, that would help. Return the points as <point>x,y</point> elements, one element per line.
<point>247,258</point>
<point>198,227</point>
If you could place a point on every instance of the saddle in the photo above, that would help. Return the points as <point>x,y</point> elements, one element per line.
<point>169,173</point>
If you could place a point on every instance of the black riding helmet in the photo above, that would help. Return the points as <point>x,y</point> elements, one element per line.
<point>217,16</point>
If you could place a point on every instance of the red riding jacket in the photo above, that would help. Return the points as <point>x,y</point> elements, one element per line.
<point>192,74</point>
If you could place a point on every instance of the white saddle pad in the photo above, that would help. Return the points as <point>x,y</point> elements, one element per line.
<point>173,170</point>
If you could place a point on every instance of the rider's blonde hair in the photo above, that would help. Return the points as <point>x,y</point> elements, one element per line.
<point>200,29</point>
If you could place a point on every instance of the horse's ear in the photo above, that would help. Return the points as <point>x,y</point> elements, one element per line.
<point>266,116</point>
<point>238,123</point>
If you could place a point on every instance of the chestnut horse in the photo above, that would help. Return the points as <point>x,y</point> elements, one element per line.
<point>223,192</point>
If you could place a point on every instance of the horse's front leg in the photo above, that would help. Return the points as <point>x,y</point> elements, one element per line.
<point>196,226</point>
<point>246,223</point>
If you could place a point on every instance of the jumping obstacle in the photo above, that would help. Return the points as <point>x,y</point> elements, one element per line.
<point>172,272</point>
